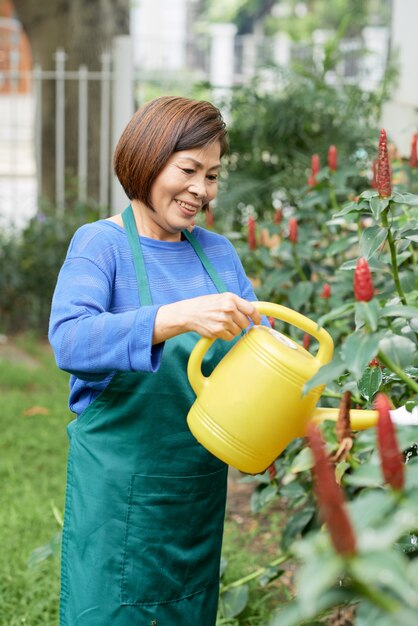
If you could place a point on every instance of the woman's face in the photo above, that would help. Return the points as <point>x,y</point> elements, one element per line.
<point>188,181</point>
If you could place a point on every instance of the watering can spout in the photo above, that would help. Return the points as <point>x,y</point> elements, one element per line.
<point>360,419</point>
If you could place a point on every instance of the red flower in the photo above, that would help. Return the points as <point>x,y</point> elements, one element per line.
<point>278,216</point>
<point>363,283</point>
<point>391,458</point>
<point>330,497</point>
<point>272,321</point>
<point>315,164</point>
<point>326,291</point>
<point>293,230</point>
<point>272,471</point>
<point>251,236</point>
<point>209,217</point>
<point>315,167</point>
<point>413,159</point>
<point>332,158</point>
<point>384,176</point>
<point>306,341</point>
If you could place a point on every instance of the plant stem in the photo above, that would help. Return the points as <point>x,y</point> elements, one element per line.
<point>376,597</point>
<point>255,574</point>
<point>397,370</point>
<point>298,265</point>
<point>333,198</point>
<point>393,258</point>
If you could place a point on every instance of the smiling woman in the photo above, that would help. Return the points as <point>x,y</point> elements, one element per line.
<point>145,501</point>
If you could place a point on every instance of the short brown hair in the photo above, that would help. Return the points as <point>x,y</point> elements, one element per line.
<point>157,130</point>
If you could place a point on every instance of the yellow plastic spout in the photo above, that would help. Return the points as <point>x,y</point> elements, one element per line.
<point>360,419</point>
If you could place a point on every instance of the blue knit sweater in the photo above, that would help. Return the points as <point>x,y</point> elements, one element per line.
<point>97,326</point>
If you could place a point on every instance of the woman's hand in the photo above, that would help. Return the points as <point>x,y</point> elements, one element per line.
<point>221,316</point>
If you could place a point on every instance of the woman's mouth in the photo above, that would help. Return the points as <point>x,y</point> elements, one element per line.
<point>192,210</point>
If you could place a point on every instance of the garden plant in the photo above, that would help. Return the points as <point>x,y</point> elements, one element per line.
<point>346,258</point>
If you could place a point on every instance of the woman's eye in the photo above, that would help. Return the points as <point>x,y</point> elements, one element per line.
<point>187,171</point>
<point>213,177</point>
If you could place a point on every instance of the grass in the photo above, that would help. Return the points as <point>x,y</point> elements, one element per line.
<point>33,454</point>
<point>33,451</point>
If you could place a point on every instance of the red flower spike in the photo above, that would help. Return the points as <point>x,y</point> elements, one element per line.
<point>392,464</point>
<point>306,341</point>
<point>363,283</point>
<point>278,216</point>
<point>311,180</point>
<point>330,497</point>
<point>315,164</point>
<point>326,291</point>
<point>384,176</point>
<point>332,158</point>
<point>209,217</point>
<point>413,159</point>
<point>251,236</point>
<point>272,321</point>
<point>272,471</point>
<point>293,230</point>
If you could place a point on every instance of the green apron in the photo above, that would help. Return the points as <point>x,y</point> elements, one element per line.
<point>145,502</point>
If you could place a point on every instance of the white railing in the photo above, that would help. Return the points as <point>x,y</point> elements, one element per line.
<point>21,150</point>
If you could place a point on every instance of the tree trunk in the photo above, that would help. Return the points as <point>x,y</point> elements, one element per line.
<point>84,29</point>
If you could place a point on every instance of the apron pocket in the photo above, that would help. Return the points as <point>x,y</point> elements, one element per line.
<point>173,536</point>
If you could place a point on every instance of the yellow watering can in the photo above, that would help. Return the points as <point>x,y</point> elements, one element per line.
<point>251,406</point>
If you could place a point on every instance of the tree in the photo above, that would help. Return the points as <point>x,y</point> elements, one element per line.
<point>84,29</point>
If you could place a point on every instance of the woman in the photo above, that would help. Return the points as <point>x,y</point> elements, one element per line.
<point>145,501</point>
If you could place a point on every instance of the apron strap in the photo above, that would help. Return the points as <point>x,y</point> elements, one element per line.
<point>216,279</point>
<point>138,258</point>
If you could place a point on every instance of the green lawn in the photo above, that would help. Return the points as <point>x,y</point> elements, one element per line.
<point>33,451</point>
<point>33,454</point>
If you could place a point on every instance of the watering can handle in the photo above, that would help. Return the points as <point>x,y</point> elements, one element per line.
<point>324,355</point>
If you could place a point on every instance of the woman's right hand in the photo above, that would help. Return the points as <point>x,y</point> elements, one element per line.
<point>215,316</point>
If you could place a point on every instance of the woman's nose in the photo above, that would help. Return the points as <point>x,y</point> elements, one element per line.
<point>198,188</point>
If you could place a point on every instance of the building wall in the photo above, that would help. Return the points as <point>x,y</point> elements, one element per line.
<point>15,52</point>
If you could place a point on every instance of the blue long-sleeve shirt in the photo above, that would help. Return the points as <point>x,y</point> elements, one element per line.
<point>97,324</point>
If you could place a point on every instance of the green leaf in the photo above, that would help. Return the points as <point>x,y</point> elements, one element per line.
<point>326,374</point>
<point>399,349</point>
<point>370,382</point>
<point>368,313</point>
<point>295,526</point>
<point>345,310</point>
<point>302,461</point>
<point>300,294</point>
<point>371,239</point>
<point>365,476</point>
<point>233,601</point>
<point>405,198</point>
<point>316,577</point>
<point>340,470</point>
<point>358,350</point>
<point>369,193</point>
<point>378,205</point>
<point>347,208</point>
<point>399,310</point>
<point>370,507</point>
<point>291,614</point>
<point>340,245</point>
<point>384,570</point>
